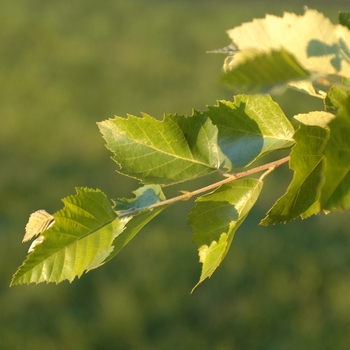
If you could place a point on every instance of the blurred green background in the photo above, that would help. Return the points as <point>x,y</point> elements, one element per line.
<point>64,65</point>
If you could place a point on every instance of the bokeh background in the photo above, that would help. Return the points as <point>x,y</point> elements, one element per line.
<point>64,65</point>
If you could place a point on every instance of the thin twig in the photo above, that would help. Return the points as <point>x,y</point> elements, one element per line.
<point>186,196</point>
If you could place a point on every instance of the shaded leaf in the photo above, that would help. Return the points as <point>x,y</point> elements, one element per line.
<point>216,217</point>
<point>303,193</point>
<point>336,189</point>
<point>344,18</point>
<point>263,72</point>
<point>144,196</point>
<point>182,148</point>
<point>249,127</point>
<point>80,240</point>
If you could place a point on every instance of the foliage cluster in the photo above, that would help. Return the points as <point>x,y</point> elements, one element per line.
<point>298,273</point>
<point>266,55</point>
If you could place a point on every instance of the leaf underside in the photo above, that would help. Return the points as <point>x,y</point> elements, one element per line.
<point>261,72</point>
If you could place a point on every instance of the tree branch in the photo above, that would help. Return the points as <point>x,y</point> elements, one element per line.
<point>186,196</point>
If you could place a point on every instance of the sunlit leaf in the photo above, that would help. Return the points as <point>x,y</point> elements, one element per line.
<point>228,136</point>
<point>276,50</point>
<point>80,240</point>
<point>318,118</point>
<point>306,87</point>
<point>38,222</point>
<point>216,217</point>
<point>249,127</point>
<point>173,150</point>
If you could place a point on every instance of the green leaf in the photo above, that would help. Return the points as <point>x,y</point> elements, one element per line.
<point>181,148</point>
<point>249,127</point>
<point>173,150</point>
<point>80,240</point>
<point>144,196</point>
<point>336,189</point>
<point>346,81</point>
<point>216,217</point>
<point>344,18</point>
<point>273,51</point>
<point>307,161</point>
<point>319,118</point>
<point>262,72</point>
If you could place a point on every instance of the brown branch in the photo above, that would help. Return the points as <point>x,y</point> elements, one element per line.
<point>186,196</point>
